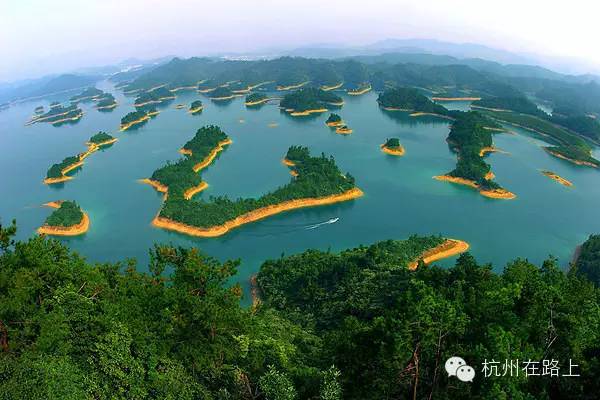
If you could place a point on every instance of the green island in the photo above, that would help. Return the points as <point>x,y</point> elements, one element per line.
<point>410,100</point>
<point>393,147</point>
<point>58,115</point>
<point>66,220</point>
<point>55,104</point>
<point>106,102</point>
<point>88,94</point>
<point>319,318</point>
<point>309,100</point>
<point>469,138</point>
<point>39,110</point>
<point>317,181</point>
<point>359,89</point>
<point>196,107</point>
<point>135,118</point>
<point>208,85</point>
<point>255,99</point>
<point>156,96</point>
<point>334,120</point>
<point>222,93</point>
<point>58,173</point>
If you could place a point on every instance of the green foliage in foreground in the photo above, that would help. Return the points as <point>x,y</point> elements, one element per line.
<point>100,137</point>
<point>317,177</point>
<point>72,330</point>
<point>55,171</point>
<point>180,176</point>
<point>309,98</point>
<point>588,261</point>
<point>409,99</point>
<point>68,214</point>
<point>468,136</point>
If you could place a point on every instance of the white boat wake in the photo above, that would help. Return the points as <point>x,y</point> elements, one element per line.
<point>328,222</point>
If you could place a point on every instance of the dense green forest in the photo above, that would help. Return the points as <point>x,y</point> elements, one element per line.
<point>100,137</point>
<point>409,99</point>
<point>87,95</point>
<point>196,106</point>
<point>392,143</point>
<point>180,176</point>
<point>317,177</point>
<point>588,260</point>
<point>468,135</point>
<point>133,116</point>
<point>354,325</point>
<point>309,98</point>
<point>57,113</point>
<point>55,171</point>
<point>221,92</point>
<point>256,97</point>
<point>68,214</point>
<point>582,124</point>
<point>333,119</point>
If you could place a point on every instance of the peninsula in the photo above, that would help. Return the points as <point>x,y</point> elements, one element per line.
<point>448,248</point>
<point>317,182</point>
<point>58,115</point>
<point>307,101</point>
<point>67,220</point>
<point>392,147</point>
<point>361,89</point>
<point>467,138</point>
<point>196,107</point>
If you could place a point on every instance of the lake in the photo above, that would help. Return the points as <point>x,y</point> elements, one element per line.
<point>401,198</point>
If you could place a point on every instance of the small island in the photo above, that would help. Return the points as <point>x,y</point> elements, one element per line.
<point>392,147</point>
<point>58,173</point>
<point>307,101</point>
<point>334,120</point>
<point>317,181</point>
<point>360,89</point>
<point>222,93</point>
<point>155,96</point>
<point>557,178</point>
<point>67,220</point>
<point>88,94</point>
<point>255,99</point>
<point>58,115</point>
<point>134,118</point>
<point>196,107</point>
<point>410,100</point>
<point>327,88</point>
<point>343,130</point>
<point>179,106</point>
<point>467,137</point>
<point>579,155</point>
<point>106,102</point>
<point>39,110</point>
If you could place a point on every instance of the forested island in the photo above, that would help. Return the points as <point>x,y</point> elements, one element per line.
<point>58,115</point>
<point>196,107</point>
<point>334,120</point>
<point>410,100</point>
<point>557,178</point>
<point>393,147</point>
<point>106,102</point>
<point>39,110</point>
<point>222,93</point>
<point>318,181</point>
<point>88,94</point>
<point>58,173</point>
<point>468,137</point>
<point>155,96</point>
<point>67,220</point>
<point>343,129</point>
<point>329,325</point>
<point>135,118</point>
<point>360,89</point>
<point>255,99</point>
<point>310,100</point>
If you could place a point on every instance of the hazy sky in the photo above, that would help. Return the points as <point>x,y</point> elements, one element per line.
<point>41,36</point>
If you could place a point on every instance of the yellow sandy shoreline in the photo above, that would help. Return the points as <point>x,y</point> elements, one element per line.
<point>211,156</point>
<point>456,98</point>
<point>196,110</point>
<point>291,87</point>
<point>577,162</point>
<point>113,105</point>
<point>254,215</point>
<point>493,194</point>
<point>420,114</point>
<point>306,112</point>
<point>287,162</point>
<point>334,124</point>
<point>82,227</point>
<point>557,178</point>
<point>189,193</point>
<point>343,131</point>
<point>255,103</point>
<point>394,152</point>
<point>128,125</point>
<point>360,91</point>
<point>326,88</point>
<point>449,248</point>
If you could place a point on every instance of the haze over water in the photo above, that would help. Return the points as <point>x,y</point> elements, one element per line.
<point>401,198</point>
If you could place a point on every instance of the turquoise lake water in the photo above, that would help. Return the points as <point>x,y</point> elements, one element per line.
<point>401,198</point>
